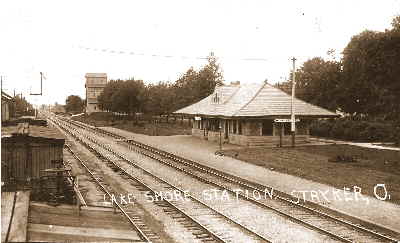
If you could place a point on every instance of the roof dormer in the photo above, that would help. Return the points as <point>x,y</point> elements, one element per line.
<point>216,98</point>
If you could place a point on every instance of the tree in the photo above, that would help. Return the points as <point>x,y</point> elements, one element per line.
<point>316,80</point>
<point>74,104</point>
<point>129,97</point>
<point>371,74</point>
<point>196,85</point>
<point>105,98</point>
<point>123,96</point>
<point>20,106</point>
<point>159,98</point>
<point>396,24</point>
<point>365,83</point>
<point>208,77</point>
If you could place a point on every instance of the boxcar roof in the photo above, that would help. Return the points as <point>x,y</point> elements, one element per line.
<point>36,133</point>
<point>252,100</point>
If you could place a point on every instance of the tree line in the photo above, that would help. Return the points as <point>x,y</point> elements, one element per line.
<point>364,83</point>
<point>74,104</point>
<point>19,106</point>
<point>134,96</point>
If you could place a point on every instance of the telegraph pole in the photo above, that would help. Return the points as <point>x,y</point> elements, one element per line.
<point>293,121</point>
<point>220,136</point>
<point>41,90</point>
<point>41,85</point>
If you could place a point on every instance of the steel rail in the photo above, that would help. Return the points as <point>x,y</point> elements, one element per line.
<point>142,235</point>
<point>162,180</point>
<point>250,199</point>
<point>213,171</point>
<point>237,181</point>
<point>240,182</point>
<point>136,227</point>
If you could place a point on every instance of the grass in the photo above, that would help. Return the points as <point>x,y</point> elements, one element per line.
<point>148,127</point>
<point>315,163</point>
<point>160,129</point>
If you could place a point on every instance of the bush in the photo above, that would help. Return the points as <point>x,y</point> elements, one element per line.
<point>396,135</point>
<point>347,129</point>
<point>321,128</point>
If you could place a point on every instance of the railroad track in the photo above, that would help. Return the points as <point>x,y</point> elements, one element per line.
<point>134,219</point>
<point>334,226</point>
<point>75,187</point>
<point>204,222</point>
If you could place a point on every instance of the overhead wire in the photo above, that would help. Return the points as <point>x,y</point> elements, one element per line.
<point>112,51</point>
<point>156,55</point>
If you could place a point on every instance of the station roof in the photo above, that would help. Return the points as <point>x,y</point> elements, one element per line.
<point>5,96</point>
<point>252,100</point>
<point>96,75</point>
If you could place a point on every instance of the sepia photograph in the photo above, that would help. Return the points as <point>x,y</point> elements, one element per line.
<point>200,121</point>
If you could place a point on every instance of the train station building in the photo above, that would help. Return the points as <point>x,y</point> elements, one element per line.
<point>6,103</point>
<point>251,115</point>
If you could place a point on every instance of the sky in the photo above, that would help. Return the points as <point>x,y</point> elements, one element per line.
<point>160,40</point>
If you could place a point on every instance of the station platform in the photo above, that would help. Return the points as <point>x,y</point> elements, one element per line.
<point>14,216</point>
<point>23,220</point>
<point>368,209</point>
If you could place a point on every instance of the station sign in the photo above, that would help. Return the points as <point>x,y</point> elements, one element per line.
<point>285,120</point>
<point>197,118</point>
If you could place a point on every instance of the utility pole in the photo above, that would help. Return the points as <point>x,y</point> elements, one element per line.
<point>220,136</point>
<point>41,91</point>
<point>41,85</point>
<point>293,121</point>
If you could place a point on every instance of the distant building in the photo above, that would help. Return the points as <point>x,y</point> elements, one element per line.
<point>6,101</point>
<point>251,115</point>
<point>95,83</point>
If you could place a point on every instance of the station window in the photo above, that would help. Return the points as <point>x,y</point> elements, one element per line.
<point>240,127</point>
<point>214,125</point>
<point>267,128</point>
<point>234,126</point>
